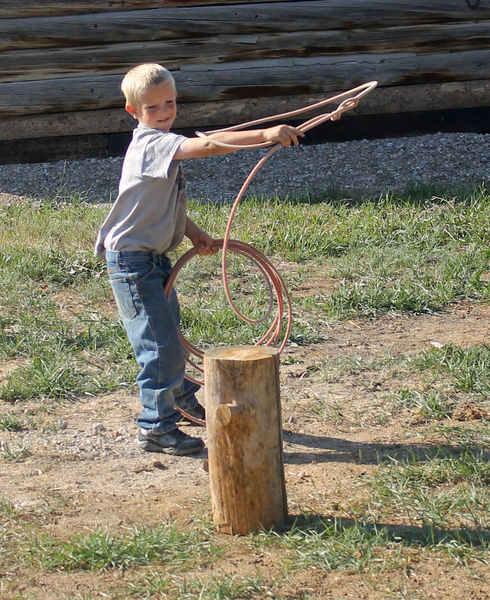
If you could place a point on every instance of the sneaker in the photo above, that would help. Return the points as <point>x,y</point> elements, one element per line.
<point>196,412</point>
<point>172,442</point>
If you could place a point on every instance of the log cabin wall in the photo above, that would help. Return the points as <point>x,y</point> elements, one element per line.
<point>62,62</point>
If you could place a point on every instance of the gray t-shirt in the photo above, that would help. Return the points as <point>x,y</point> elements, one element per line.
<point>149,213</point>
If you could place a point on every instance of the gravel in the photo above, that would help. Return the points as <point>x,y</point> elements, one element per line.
<point>362,166</point>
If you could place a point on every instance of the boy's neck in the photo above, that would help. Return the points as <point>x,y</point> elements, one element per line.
<point>141,124</point>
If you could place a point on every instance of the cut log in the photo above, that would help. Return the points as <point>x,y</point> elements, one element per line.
<point>182,20</point>
<point>252,79</point>
<point>63,60</point>
<point>32,8</point>
<point>214,114</point>
<point>244,438</point>
<point>176,54</point>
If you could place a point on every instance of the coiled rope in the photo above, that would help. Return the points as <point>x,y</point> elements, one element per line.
<point>278,294</point>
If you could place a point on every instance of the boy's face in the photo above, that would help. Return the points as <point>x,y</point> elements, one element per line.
<point>157,107</point>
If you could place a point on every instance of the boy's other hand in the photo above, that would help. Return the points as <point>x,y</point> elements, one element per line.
<point>205,250</point>
<point>200,238</point>
<point>205,243</point>
<point>283,134</point>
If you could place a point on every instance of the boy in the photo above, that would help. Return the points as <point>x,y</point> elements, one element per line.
<point>147,221</point>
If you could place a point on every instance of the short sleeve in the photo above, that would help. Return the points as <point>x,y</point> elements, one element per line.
<point>159,153</point>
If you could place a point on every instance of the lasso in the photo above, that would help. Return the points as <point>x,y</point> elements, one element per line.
<point>278,294</point>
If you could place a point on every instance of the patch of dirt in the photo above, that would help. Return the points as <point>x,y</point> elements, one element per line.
<point>84,468</point>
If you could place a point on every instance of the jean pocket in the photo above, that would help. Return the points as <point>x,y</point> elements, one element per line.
<point>124,298</point>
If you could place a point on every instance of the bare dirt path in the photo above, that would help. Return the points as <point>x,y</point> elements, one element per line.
<point>84,469</point>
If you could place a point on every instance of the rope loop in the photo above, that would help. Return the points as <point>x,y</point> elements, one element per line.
<point>278,331</point>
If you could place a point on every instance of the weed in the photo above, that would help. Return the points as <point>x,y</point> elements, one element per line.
<point>101,549</point>
<point>325,544</point>
<point>14,454</point>
<point>468,368</point>
<point>449,493</point>
<point>10,422</point>
<point>473,435</point>
<point>430,404</point>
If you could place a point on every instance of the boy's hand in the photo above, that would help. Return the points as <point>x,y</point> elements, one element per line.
<point>206,243</point>
<point>199,238</point>
<point>284,134</point>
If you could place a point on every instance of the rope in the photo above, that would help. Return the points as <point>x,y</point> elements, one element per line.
<point>278,294</point>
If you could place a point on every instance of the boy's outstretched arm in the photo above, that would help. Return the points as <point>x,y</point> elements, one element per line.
<point>197,147</point>
<point>198,236</point>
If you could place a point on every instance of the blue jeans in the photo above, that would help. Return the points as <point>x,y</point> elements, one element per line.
<point>151,321</point>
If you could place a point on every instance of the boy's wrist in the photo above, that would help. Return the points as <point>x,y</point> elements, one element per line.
<point>196,236</point>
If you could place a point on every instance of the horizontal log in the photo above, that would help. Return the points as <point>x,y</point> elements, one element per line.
<point>87,122</point>
<point>34,8</point>
<point>209,115</point>
<point>158,24</point>
<point>204,83</point>
<point>196,21</point>
<point>31,65</point>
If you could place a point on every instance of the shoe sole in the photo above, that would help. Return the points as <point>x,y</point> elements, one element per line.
<point>149,446</point>
<point>186,421</point>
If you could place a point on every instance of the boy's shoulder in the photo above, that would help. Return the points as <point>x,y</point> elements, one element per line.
<point>147,139</point>
<point>144,137</point>
<point>143,132</point>
<point>151,152</point>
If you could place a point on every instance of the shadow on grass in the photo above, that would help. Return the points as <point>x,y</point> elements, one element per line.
<point>425,535</point>
<point>329,449</point>
<point>411,194</point>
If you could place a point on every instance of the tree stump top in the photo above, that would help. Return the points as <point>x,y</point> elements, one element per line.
<point>242,353</point>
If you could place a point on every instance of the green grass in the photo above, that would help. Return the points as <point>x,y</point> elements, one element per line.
<point>467,368</point>
<point>417,252</point>
<point>331,546</point>
<point>101,549</point>
<point>387,254</point>
<point>224,587</point>
<point>390,254</point>
<point>431,404</point>
<point>445,497</point>
<point>432,385</point>
<point>14,452</point>
<point>10,422</point>
<point>477,434</point>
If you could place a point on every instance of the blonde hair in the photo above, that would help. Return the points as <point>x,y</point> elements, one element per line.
<point>140,78</point>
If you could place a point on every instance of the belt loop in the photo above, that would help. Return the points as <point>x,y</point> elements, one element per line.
<point>113,255</point>
<point>159,259</point>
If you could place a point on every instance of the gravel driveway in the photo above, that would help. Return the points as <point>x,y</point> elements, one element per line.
<point>373,166</point>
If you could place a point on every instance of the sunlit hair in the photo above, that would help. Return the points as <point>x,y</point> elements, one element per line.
<point>137,81</point>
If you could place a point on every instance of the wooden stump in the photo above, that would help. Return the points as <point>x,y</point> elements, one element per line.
<point>243,417</point>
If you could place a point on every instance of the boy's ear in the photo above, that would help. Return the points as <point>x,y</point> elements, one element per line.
<point>131,110</point>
